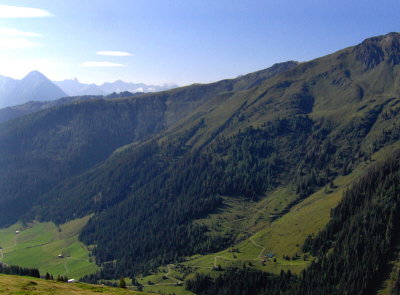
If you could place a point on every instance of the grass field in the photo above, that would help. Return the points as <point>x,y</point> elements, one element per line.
<point>39,244</point>
<point>26,285</point>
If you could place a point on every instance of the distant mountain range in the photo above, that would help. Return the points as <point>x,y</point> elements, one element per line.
<point>75,88</point>
<point>37,87</point>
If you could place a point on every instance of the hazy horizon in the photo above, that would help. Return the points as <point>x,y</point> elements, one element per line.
<point>97,84</point>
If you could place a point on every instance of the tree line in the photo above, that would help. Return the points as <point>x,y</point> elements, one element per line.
<point>18,270</point>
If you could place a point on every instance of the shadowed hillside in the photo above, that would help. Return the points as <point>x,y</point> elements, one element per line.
<point>42,149</point>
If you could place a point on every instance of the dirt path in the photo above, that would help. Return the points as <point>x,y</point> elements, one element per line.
<point>169,272</point>
<point>66,268</point>
<point>167,275</point>
<point>244,231</point>
<point>12,246</point>
<point>259,246</point>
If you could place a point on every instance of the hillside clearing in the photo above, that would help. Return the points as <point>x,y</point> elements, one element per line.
<point>38,245</point>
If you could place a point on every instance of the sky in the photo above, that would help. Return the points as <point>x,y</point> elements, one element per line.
<point>179,41</point>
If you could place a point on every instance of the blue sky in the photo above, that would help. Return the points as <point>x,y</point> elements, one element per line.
<point>180,41</point>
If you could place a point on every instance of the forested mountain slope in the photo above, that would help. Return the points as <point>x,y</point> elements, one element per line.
<point>353,251</point>
<point>42,149</point>
<point>301,127</point>
<point>12,112</point>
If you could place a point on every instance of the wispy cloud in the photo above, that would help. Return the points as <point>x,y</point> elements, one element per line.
<point>8,11</point>
<point>16,33</point>
<point>114,53</point>
<point>15,39</point>
<point>100,64</point>
<point>16,43</point>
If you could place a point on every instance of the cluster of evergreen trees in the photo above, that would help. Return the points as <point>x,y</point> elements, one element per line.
<point>241,282</point>
<point>20,271</point>
<point>59,278</point>
<point>362,234</point>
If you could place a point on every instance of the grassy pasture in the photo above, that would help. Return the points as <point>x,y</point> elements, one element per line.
<point>39,244</point>
<point>11,285</point>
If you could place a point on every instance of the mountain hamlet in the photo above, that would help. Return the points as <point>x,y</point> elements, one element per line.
<point>281,181</point>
